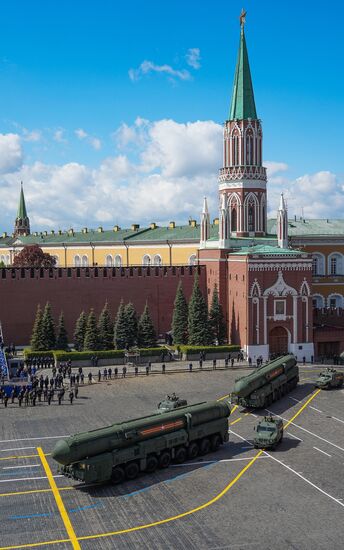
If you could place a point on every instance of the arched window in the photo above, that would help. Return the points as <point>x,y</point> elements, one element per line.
<point>235,150</point>
<point>250,218</point>
<point>318,301</point>
<point>84,261</point>
<point>318,264</point>
<point>109,261</point>
<point>193,259</point>
<point>77,261</point>
<point>157,260</point>
<point>146,260</point>
<point>335,264</point>
<point>234,220</point>
<point>249,147</point>
<point>118,260</point>
<point>335,301</point>
<point>263,218</point>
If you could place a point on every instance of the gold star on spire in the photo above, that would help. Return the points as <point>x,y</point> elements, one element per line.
<point>242,17</point>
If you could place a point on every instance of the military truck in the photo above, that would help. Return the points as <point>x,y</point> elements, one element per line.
<point>123,450</point>
<point>269,433</point>
<point>170,403</point>
<point>330,378</point>
<point>266,383</point>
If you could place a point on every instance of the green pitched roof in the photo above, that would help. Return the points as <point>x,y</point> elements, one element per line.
<point>311,227</point>
<point>267,250</point>
<point>22,207</point>
<point>243,105</point>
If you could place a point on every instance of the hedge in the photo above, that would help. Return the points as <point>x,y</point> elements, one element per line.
<point>28,354</point>
<point>209,349</point>
<point>60,355</point>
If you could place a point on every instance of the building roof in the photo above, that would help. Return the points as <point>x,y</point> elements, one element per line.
<point>22,213</point>
<point>243,104</point>
<point>267,250</point>
<point>311,227</point>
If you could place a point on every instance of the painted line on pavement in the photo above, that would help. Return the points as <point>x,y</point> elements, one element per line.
<point>315,409</point>
<point>21,456</point>
<point>16,449</point>
<point>19,467</point>
<point>320,451</point>
<point>61,507</point>
<point>235,421</point>
<point>338,419</point>
<point>34,438</point>
<point>294,436</point>
<point>26,478</point>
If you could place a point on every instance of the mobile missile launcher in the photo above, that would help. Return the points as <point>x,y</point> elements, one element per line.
<point>267,383</point>
<point>170,403</point>
<point>330,378</point>
<point>123,450</point>
<point>269,433</point>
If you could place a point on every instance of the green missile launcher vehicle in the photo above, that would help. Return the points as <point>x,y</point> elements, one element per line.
<point>123,450</point>
<point>266,383</point>
<point>269,433</point>
<point>330,378</point>
<point>170,403</point>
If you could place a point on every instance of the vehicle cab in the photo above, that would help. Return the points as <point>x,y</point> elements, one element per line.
<point>269,432</point>
<point>329,378</point>
<point>170,403</point>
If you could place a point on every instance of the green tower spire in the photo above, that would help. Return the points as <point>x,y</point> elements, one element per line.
<point>243,105</point>
<point>22,214</point>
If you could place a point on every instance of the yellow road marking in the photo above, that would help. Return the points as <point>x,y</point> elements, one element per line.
<point>302,408</point>
<point>159,522</point>
<point>234,408</point>
<point>223,397</point>
<point>21,456</point>
<point>235,421</point>
<point>59,501</point>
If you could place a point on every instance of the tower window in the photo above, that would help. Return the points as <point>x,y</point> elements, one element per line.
<point>249,149</point>
<point>250,218</point>
<point>234,220</point>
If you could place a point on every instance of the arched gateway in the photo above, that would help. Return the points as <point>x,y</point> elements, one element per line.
<point>278,341</point>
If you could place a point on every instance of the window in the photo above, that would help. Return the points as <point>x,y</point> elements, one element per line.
<point>250,218</point>
<point>118,260</point>
<point>249,148</point>
<point>146,260</point>
<point>335,301</point>
<point>333,266</point>
<point>234,220</point>
<point>193,259</point>
<point>315,265</point>
<point>280,307</point>
<point>157,260</point>
<point>318,264</point>
<point>84,261</point>
<point>235,150</point>
<point>77,261</point>
<point>108,261</point>
<point>318,301</point>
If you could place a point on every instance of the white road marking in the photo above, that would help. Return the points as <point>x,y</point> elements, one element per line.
<point>308,431</point>
<point>338,419</point>
<point>16,449</point>
<point>294,436</point>
<point>320,451</point>
<point>25,478</point>
<point>315,409</point>
<point>19,467</point>
<point>34,438</point>
<point>293,398</point>
<point>337,500</point>
<point>255,415</point>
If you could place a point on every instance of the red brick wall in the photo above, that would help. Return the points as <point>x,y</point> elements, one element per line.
<point>22,289</point>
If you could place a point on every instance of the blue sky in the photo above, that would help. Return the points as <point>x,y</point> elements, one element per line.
<point>66,90</point>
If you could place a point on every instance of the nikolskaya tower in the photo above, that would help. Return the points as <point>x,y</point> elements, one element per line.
<point>242,180</point>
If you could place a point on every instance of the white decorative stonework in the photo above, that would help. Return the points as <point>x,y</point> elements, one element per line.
<point>280,288</point>
<point>290,266</point>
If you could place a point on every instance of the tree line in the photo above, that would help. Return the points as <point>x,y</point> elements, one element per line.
<point>192,324</point>
<point>92,334</point>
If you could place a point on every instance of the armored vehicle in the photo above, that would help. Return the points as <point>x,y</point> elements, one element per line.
<point>269,432</point>
<point>123,450</point>
<point>170,403</point>
<point>266,383</point>
<point>330,378</point>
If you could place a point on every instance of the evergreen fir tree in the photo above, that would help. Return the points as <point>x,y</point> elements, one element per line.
<point>180,317</point>
<point>146,331</point>
<point>62,336</point>
<point>80,331</point>
<point>198,323</point>
<point>91,342</point>
<point>131,324</point>
<point>120,328</point>
<point>216,320</point>
<point>105,329</point>
<point>48,328</point>
<point>36,342</point>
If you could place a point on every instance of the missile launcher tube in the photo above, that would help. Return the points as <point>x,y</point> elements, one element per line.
<point>119,436</point>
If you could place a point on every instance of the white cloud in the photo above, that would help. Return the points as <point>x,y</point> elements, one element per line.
<point>273,167</point>
<point>193,58</point>
<point>96,143</point>
<point>59,135</point>
<point>80,133</point>
<point>162,172</point>
<point>147,67</point>
<point>31,135</point>
<point>11,154</point>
